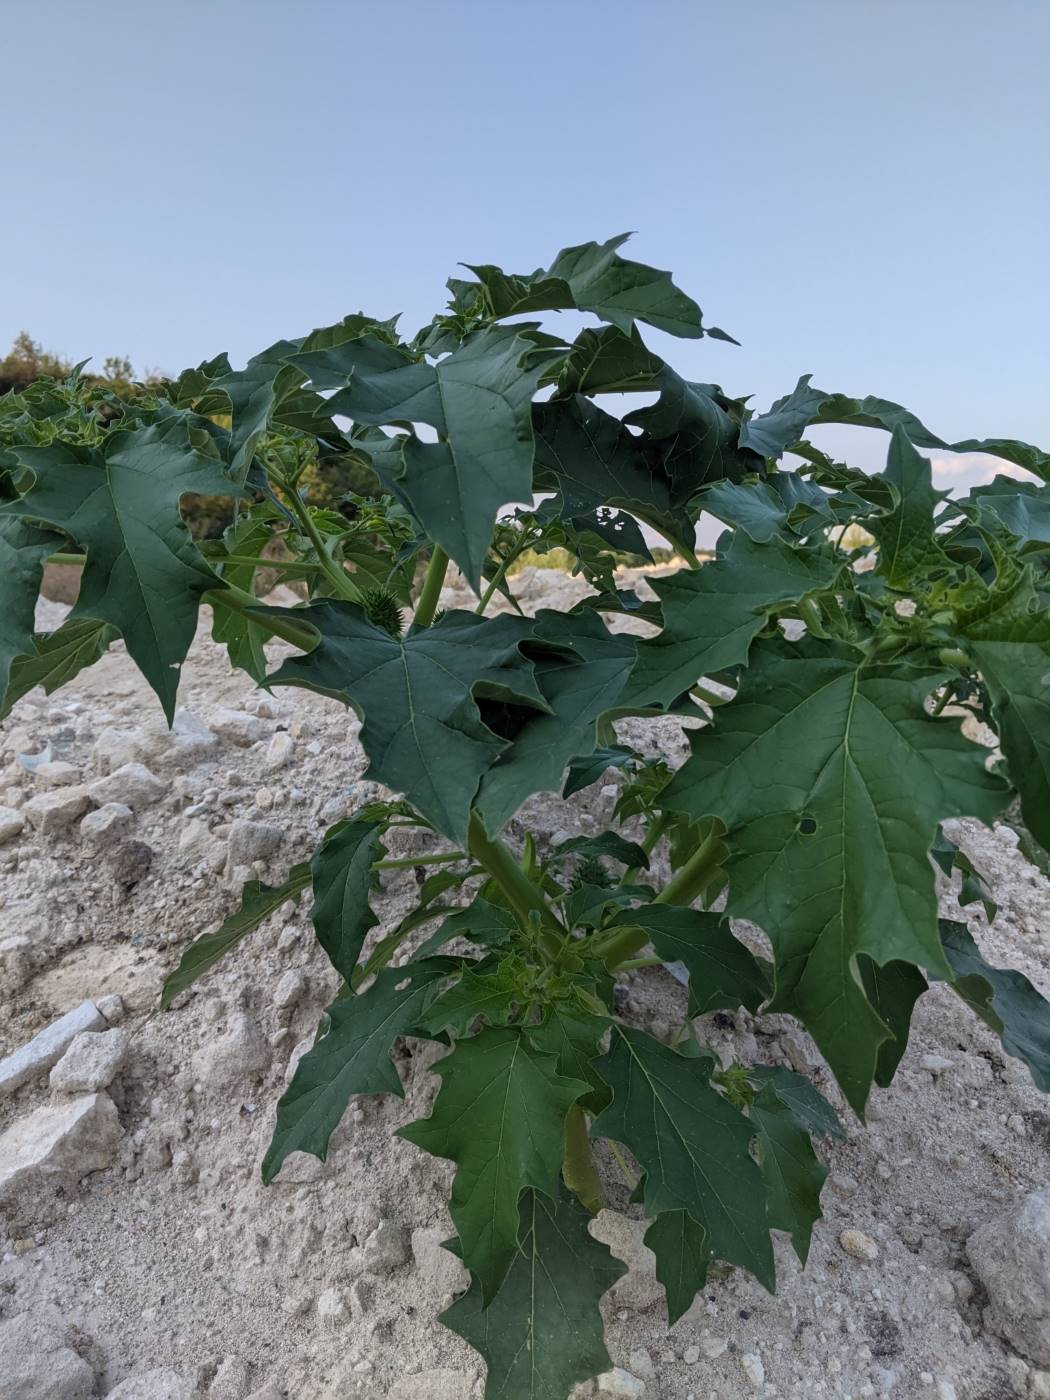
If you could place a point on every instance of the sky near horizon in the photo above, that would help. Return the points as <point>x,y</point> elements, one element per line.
<point>855,190</point>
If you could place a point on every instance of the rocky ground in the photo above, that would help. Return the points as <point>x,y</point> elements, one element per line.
<point>143,1260</point>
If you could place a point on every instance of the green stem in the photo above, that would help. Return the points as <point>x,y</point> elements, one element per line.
<point>494,582</point>
<point>432,584</point>
<point>261,563</point>
<point>946,695</point>
<point>628,1175</point>
<point>683,888</point>
<point>525,898</point>
<point>709,697</point>
<point>633,963</point>
<point>335,573</point>
<point>238,601</point>
<point>581,1175</point>
<point>441,858</point>
<point>67,559</point>
<point>653,833</point>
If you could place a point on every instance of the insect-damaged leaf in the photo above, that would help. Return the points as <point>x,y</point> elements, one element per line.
<point>499,1116</point>
<point>691,1143</point>
<point>831,779</point>
<point>712,614</point>
<point>682,1259</point>
<point>144,575</point>
<point>352,1057</point>
<point>342,878</point>
<point>422,729</point>
<point>479,399</point>
<point>258,902</point>
<point>543,1331</point>
<point>1004,999</point>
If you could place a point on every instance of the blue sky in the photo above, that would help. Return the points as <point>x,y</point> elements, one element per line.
<point>858,190</point>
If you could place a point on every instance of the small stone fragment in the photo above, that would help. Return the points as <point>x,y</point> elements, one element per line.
<point>622,1383</point>
<point>753,1369</point>
<point>238,727</point>
<point>935,1064</point>
<point>713,1347</point>
<point>54,811</point>
<point>858,1245</point>
<point>387,1248</point>
<point>279,749</point>
<point>243,1050</point>
<point>251,841</point>
<point>112,1008</point>
<point>37,1363</point>
<point>290,989</point>
<point>230,1381</point>
<point>106,825</point>
<point>332,1311</point>
<point>130,863</point>
<point>440,1270</point>
<point>155,1385</point>
<point>1011,1256</point>
<point>56,1144</point>
<point>92,1062</point>
<point>56,773</point>
<point>11,824</point>
<point>48,1046</point>
<point>133,785</point>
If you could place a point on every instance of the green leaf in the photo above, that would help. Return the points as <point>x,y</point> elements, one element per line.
<point>771,434</point>
<point>243,638</point>
<point>712,614</point>
<point>144,575</point>
<point>254,393</point>
<point>793,1174</point>
<point>57,657</point>
<point>831,779</point>
<point>697,434</point>
<point>1004,999</point>
<point>723,974</point>
<point>607,843</point>
<point>342,877</point>
<point>543,1331</point>
<point>492,995</point>
<point>809,1108</point>
<point>972,888</point>
<point>23,549</point>
<point>906,540</point>
<point>593,277</point>
<point>1007,631</point>
<point>581,672</point>
<point>682,1259</point>
<point>590,459</point>
<point>258,902</point>
<point>575,1037</point>
<point>1019,507</point>
<point>586,769</point>
<point>892,991</point>
<point>499,1115</point>
<point>422,730</point>
<point>479,399</point>
<point>488,924</point>
<point>692,1145</point>
<point>352,1057</point>
<point>606,361</point>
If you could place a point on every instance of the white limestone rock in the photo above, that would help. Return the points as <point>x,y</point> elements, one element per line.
<point>48,1046</point>
<point>92,1062</point>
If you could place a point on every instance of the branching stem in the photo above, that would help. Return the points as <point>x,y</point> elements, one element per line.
<point>408,862</point>
<point>432,585</point>
<point>524,897</point>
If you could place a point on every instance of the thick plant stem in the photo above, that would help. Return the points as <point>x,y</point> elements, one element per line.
<point>407,862</point>
<point>581,1175</point>
<point>335,573</point>
<point>238,601</point>
<point>525,898</point>
<point>493,583</point>
<point>432,583</point>
<point>653,833</point>
<point>683,888</point>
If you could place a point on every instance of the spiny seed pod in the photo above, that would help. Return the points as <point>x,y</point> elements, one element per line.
<point>383,611</point>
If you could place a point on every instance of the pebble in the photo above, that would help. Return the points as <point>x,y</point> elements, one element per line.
<point>279,750</point>
<point>107,824</point>
<point>92,1062</point>
<point>11,824</point>
<point>712,1346</point>
<point>54,811</point>
<point>57,1144</point>
<point>935,1064</point>
<point>37,1363</point>
<point>290,990</point>
<point>622,1383</point>
<point>753,1369</point>
<point>388,1247</point>
<point>231,1380</point>
<point>439,1270</point>
<point>332,1311</point>
<point>48,1046</point>
<point>242,1051</point>
<point>133,785</point>
<point>691,1355</point>
<point>57,774</point>
<point>1011,1256</point>
<point>238,727</point>
<point>858,1245</point>
<point>251,841</point>
<point>112,1008</point>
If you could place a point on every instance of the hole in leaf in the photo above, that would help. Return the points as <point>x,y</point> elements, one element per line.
<point>807,826</point>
